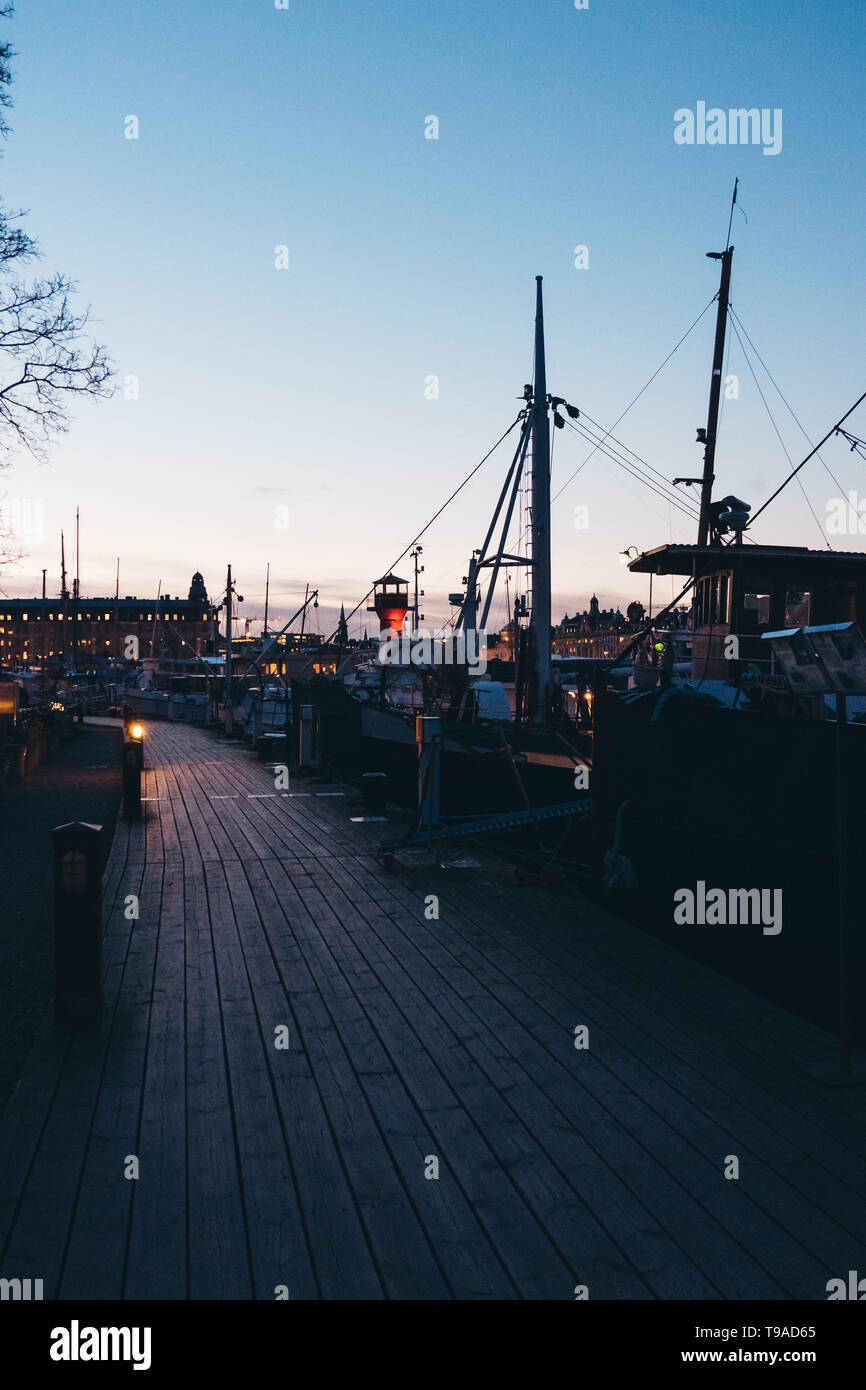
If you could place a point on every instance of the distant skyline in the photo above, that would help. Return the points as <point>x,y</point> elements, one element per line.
<point>267,136</point>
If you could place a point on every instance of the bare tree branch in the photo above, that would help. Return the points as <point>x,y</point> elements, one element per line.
<point>45,359</point>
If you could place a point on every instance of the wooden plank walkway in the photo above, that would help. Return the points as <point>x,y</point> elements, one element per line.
<point>410,1038</point>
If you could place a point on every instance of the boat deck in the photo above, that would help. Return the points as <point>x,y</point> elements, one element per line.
<point>411,1038</point>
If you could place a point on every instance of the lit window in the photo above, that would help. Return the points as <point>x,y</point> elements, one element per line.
<point>798,605</point>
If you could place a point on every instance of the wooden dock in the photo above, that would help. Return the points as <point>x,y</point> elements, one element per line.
<point>264,915</point>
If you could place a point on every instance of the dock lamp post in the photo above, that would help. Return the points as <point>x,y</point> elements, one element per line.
<point>133,764</point>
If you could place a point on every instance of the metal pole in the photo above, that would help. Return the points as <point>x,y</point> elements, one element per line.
<point>715,392</point>
<point>468,616</point>
<point>428,736</point>
<point>228,672</point>
<point>540,522</point>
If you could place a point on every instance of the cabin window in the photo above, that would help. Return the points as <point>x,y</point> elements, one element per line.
<point>711,601</point>
<point>756,611</point>
<point>798,607</point>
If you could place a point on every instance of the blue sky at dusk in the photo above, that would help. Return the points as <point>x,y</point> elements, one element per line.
<point>305,388</point>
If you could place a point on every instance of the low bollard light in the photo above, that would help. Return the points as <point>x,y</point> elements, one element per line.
<point>133,761</point>
<point>77,926</point>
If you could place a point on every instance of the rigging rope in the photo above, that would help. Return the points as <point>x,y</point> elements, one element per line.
<point>672,500</point>
<point>426,527</point>
<point>834,429</point>
<point>671,495</point>
<point>779,437</point>
<point>640,392</point>
<point>788,407</point>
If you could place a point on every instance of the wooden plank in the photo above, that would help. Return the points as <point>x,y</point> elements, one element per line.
<point>277,1240</point>
<point>159,1208</point>
<point>48,1193</point>
<point>218,1255</point>
<point>339,1249</point>
<point>407,1265</point>
<point>95,1254</point>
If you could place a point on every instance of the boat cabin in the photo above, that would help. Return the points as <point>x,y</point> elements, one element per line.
<point>746,590</point>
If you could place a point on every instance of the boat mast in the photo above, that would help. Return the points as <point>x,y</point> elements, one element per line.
<point>726,258</point>
<point>64,592</point>
<point>540,622</point>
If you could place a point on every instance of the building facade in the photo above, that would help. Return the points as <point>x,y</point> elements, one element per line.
<point>597,632</point>
<point>84,632</point>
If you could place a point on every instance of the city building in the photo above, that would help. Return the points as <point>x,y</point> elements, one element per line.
<point>82,632</point>
<point>597,632</point>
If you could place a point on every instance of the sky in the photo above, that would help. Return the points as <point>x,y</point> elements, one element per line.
<point>286,415</point>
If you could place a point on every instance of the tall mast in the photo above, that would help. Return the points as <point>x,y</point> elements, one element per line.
<point>77,591</point>
<point>228,703</point>
<point>64,592</point>
<point>725,257</point>
<point>540,623</point>
<point>267,596</point>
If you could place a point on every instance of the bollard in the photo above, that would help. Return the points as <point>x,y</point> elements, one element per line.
<point>77,926</point>
<point>374,789</point>
<point>428,736</point>
<point>308,740</point>
<point>132,765</point>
